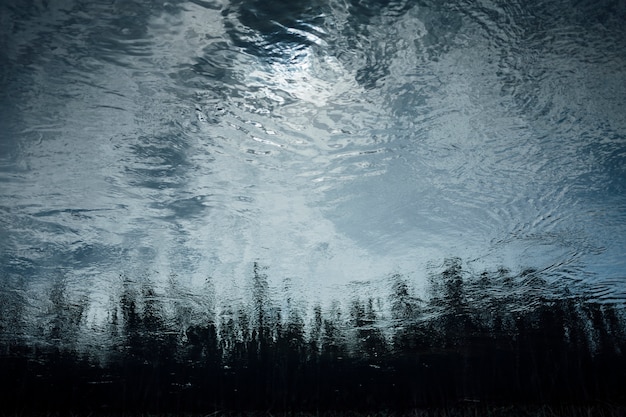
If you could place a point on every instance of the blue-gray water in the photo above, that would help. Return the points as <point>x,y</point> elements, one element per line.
<point>334,143</point>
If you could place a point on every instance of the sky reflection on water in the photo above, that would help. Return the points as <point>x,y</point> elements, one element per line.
<point>332,142</point>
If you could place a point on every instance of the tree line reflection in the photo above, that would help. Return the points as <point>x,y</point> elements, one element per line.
<point>493,338</point>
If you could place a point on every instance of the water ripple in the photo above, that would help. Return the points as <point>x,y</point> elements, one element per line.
<point>337,142</point>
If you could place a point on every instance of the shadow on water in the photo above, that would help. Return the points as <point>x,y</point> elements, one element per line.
<point>490,338</point>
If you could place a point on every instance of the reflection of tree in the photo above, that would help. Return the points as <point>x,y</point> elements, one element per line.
<point>333,336</point>
<point>12,310</point>
<point>369,339</point>
<point>315,332</point>
<point>261,307</point>
<point>131,319</point>
<point>455,318</point>
<point>64,315</point>
<point>489,336</point>
<point>409,333</point>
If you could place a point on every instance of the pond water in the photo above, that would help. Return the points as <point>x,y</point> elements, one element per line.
<point>313,152</point>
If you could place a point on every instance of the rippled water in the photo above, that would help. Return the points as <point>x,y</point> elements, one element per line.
<point>335,143</point>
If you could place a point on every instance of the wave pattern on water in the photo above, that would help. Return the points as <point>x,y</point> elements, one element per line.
<point>337,142</point>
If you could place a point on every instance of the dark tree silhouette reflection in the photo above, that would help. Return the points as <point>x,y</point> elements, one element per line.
<point>491,337</point>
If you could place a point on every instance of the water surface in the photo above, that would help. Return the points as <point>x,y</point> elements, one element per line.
<point>332,144</point>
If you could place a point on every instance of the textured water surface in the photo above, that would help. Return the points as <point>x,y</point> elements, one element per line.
<point>209,153</point>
